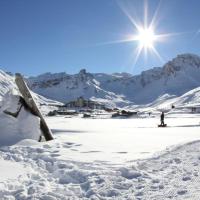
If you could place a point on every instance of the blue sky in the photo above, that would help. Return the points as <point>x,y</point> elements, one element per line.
<point>38,36</point>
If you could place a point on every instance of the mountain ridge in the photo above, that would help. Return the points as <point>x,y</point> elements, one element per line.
<point>176,77</point>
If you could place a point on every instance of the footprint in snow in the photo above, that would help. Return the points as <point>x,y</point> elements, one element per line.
<point>55,154</point>
<point>182,192</point>
<point>62,165</point>
<point>177,160</point>
<point>56,151</point>
<point>161,187</point>
<point>186,178</point>
<point>67,146</point>
<point>121,152</point>
<point>155,181</point>
<point>139,194</point>
<point>78,145</point>
<point>69,143</point>
<point>196,174</point>
<point>73,149</point>
<point>47,146</point>
<point>40,150</point>
<point>139,187</point>
<point>91,152</point>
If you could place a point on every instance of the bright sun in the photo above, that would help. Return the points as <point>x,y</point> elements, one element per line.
<point>146,37</point>
<point>145,34</point>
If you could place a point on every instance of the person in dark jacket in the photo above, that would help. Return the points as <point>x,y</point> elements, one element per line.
<point>162,117</point>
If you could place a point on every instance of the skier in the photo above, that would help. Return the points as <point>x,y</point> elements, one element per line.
<point>162,116</point>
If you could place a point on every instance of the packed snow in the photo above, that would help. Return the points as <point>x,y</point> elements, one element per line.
<point>106,159</point>
<point>121,140</point>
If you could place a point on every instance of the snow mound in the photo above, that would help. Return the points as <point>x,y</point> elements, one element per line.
<point>17,123</point>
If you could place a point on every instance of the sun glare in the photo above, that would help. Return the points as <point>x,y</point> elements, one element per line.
<point>145,34</point>
<point>146,37</point>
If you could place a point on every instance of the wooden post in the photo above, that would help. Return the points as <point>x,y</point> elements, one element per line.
<point>26,94</point>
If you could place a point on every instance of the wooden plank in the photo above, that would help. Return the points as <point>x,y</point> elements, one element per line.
<point>26,94</point>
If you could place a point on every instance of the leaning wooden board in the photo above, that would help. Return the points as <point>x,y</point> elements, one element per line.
<point>24,90</point>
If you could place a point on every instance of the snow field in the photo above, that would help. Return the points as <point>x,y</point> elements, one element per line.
<point>70,167</point>
<point>121,140</point>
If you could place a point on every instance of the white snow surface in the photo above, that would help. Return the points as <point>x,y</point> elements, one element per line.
<point>121,140</point>
<point>14,129</point>
<point>107,159</point>
<point>10,170</point>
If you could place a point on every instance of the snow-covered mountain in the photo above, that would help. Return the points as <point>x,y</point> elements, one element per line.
<point>64,87</point>
<point>187,100</point>
<point>175,78</point>
<point>152,87</point>
<point>165,102</point>
<point>7,84</point>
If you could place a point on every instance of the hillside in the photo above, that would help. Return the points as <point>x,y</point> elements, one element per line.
<point>155,88</point>
<point>175,78</point>
<point>7,84</point>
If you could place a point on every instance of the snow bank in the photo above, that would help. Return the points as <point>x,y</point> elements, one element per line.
<point>16,122</point>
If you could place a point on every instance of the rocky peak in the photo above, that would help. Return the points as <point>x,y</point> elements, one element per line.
<point>82,71</point>
<point>181,62</point>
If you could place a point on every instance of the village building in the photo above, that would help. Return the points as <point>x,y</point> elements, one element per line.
<point>80,102</point>
<point>195,109</point>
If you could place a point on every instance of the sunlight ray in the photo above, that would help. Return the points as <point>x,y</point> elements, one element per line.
<point>155,16</point>
<point>125,11</point>
<point>168,35</point>
<point>157,54</point>
<point>138,52</point>
<point>145,13</point>
<point>128,39</point>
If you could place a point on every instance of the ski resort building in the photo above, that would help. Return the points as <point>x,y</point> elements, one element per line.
<point>80,102</point>
<point>195,109</point>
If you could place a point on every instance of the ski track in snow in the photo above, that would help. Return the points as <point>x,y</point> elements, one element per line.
<point>173,174</point>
